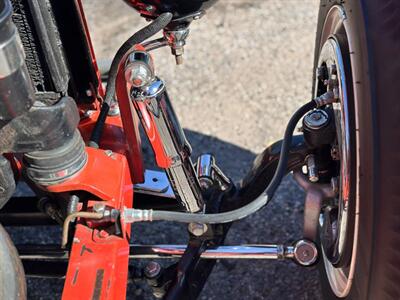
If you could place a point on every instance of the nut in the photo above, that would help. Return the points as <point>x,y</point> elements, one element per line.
<point>197,229</point>
<point>152,270</point>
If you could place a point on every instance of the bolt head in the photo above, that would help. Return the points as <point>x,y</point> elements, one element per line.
<point>152,270</point>
<point>316,119</point>
<point>103,234</point>
<point>99,207</point>
<point>150,8</point>
<point>197,229</point>
<point>305,252</point>
<point>108,152</point>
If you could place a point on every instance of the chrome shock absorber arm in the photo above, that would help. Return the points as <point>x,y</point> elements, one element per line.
<point>172,151</point>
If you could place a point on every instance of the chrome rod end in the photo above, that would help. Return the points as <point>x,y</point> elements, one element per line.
<point>305,253</point>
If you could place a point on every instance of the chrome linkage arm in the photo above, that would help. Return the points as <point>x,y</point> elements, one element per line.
<point>302,252</point>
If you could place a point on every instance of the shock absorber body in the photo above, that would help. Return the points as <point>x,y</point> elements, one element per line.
<point>172,151</point>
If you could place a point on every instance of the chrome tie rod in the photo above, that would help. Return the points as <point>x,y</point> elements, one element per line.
<point>303,252</point>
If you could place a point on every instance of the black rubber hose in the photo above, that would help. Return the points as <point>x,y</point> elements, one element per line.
<point>256,204</point>
<point>140,36</point>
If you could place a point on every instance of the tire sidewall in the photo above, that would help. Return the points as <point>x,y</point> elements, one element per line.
<point>364,140</point>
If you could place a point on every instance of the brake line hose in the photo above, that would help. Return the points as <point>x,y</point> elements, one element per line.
<point>137,38</point>
<point>137,215</point>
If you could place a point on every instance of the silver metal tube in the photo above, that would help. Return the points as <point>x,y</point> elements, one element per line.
<point>221,252</point>
<point>303,252</point>
<point>176,251</point>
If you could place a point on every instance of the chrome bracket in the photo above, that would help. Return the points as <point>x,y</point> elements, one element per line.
<point>155,183</point>
<point>209,173</point>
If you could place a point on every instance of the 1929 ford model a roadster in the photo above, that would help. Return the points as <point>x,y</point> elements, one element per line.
<point>77,145</point>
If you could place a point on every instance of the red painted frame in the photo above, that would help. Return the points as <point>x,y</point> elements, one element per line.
<point>98,264</point>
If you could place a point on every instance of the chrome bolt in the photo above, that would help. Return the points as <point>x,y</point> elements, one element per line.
<point>305,252</point>
<point>152,270</point>
<point>88,113</point>
<point>197,229</point>
<point>99,207</point>
<point>326,98</point>
<point>108,152</point>
<point>312,168</point>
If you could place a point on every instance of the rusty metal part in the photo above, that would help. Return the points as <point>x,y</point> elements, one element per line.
<point>315,194</point>
<point>73,216</point>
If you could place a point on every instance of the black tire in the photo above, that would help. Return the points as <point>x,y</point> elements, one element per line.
<point>12,277</point>
<point>375,64</point>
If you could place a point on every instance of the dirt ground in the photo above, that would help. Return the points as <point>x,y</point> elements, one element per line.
<point>248,66</point>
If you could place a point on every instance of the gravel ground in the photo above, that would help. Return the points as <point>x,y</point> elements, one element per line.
<point>248,65</point>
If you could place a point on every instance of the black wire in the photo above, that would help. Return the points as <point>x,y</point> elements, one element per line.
<point>257,203</point>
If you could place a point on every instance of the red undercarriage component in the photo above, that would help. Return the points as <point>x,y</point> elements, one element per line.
<point>98,263</point>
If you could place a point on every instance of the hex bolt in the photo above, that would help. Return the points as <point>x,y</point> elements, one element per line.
<point>152,270</point>
<point>197,229</point>
<point>99,207</point>
<point>312,168</point>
